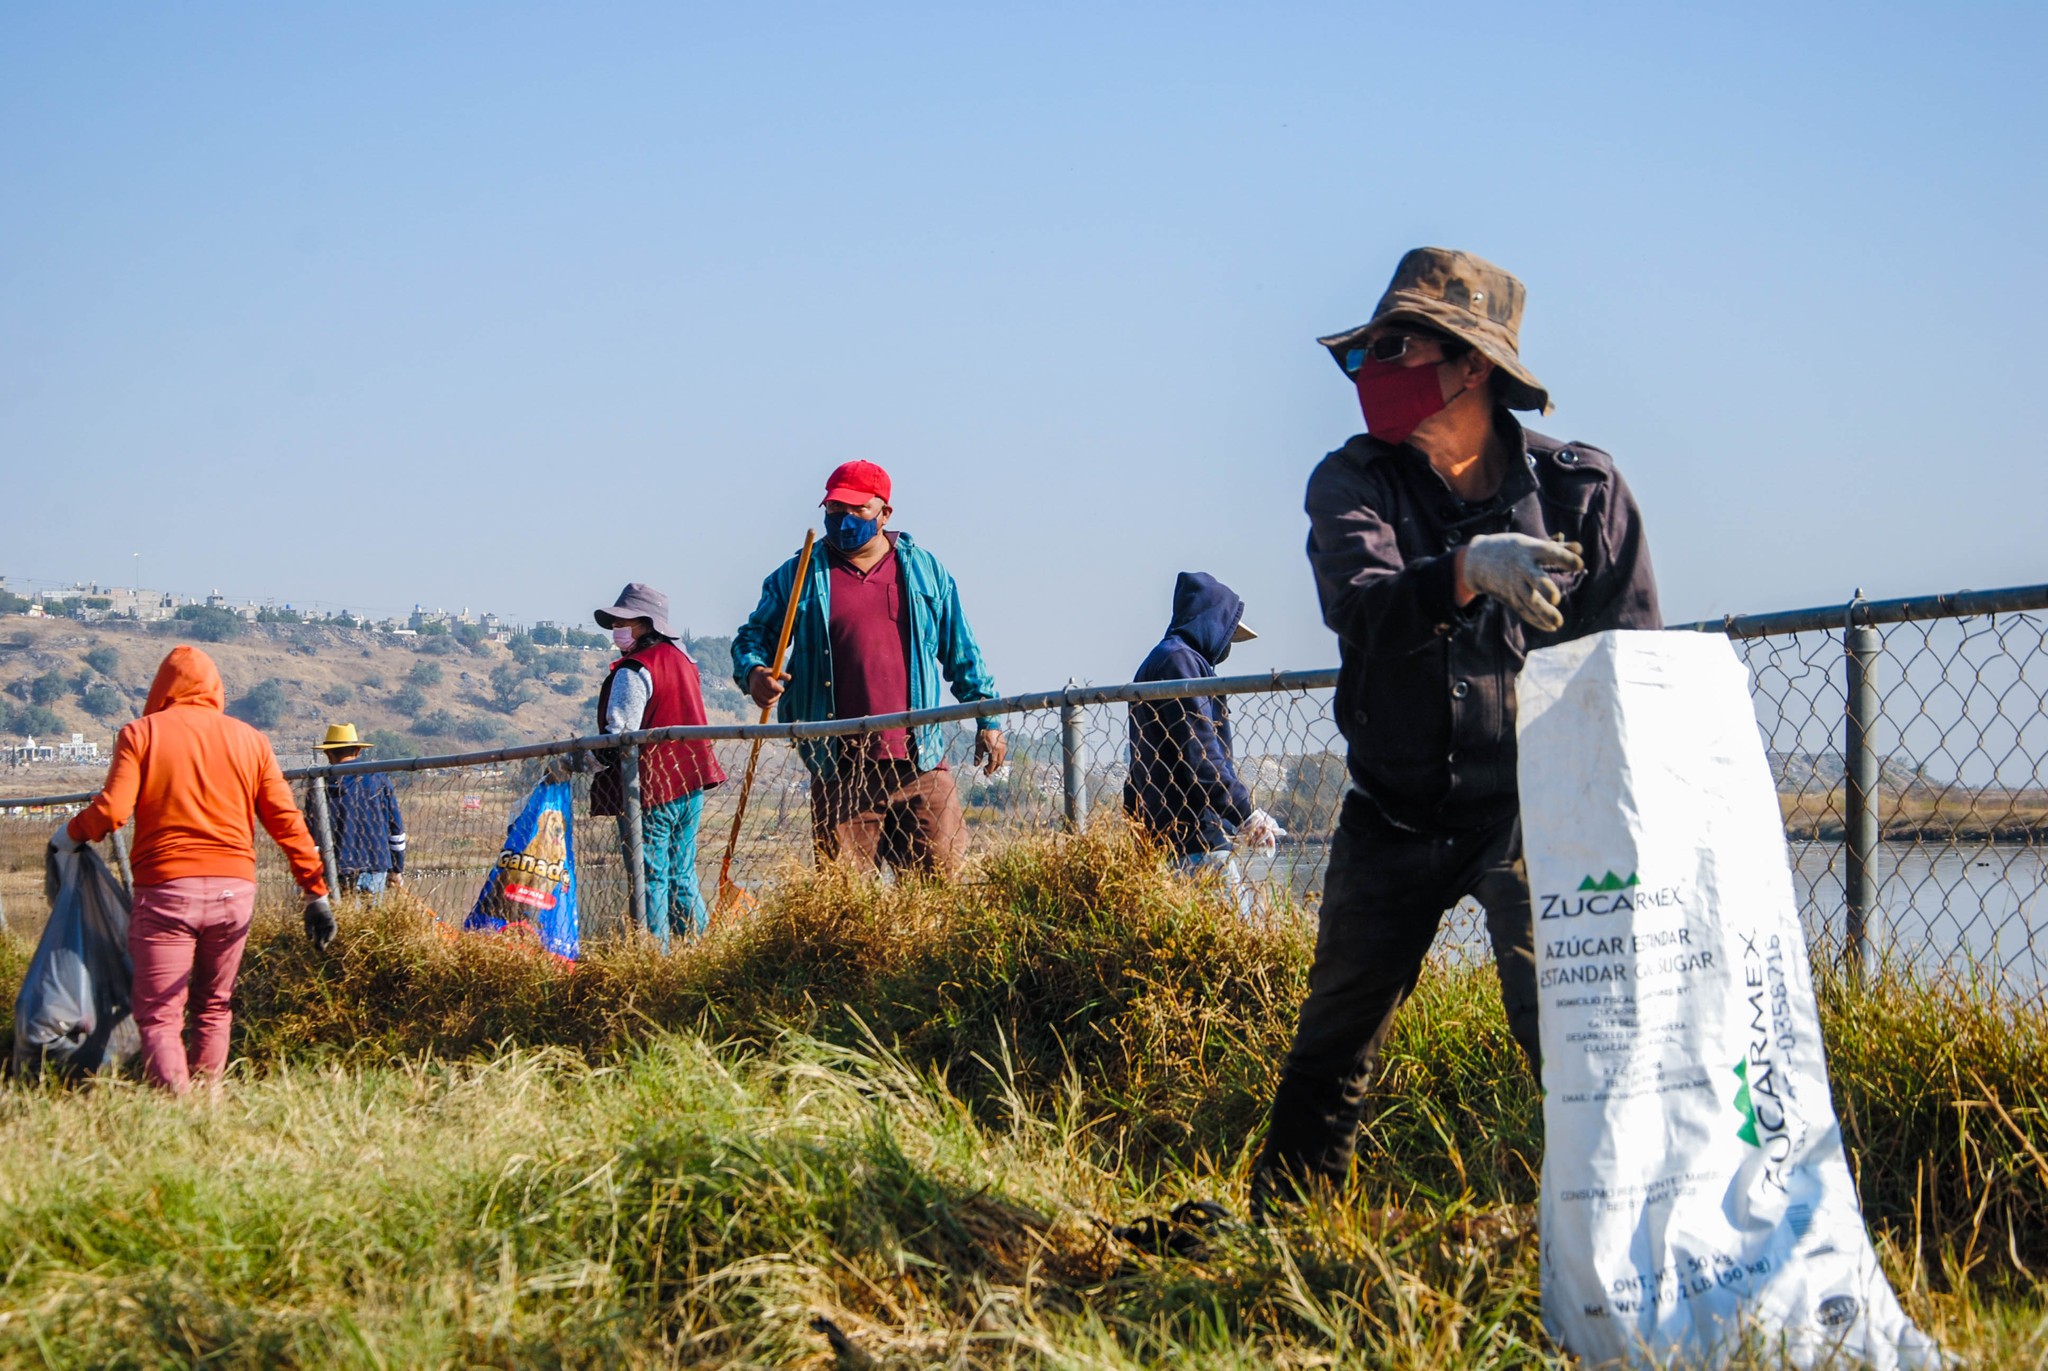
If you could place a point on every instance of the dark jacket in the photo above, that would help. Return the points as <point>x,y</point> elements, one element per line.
<point>1183,785</point>
<point>369,832</point>
<point>1425,690</point>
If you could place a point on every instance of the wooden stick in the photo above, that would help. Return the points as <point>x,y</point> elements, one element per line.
<point>739,812</point>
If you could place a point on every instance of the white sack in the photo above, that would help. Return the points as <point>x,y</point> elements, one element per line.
<point>1694,1186</point>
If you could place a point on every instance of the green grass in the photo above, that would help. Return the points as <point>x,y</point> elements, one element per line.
<point>908,1111</point>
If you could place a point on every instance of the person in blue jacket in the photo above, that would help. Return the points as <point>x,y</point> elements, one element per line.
<point>878,627</point>
<point>1183,786</point>
<point>369,832</point>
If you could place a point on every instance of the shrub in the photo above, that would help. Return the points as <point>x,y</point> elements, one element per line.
<point>48,688</point>
<point>372,680</point>
<point>102,701</point>
<point>479,729</point>
<point>436,647</point>
<point>425,674</point>
<point>337,694</point>
<point>409,700</point>
<point>262,707</point>
<point>389,744</point>
<point>434,725</point>
<point>546,635</point>
<point>207,623</point>
<point>32,719</point>
<point>103,659</point>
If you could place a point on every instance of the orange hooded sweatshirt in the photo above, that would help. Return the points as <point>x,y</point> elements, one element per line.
<point>196,782</point>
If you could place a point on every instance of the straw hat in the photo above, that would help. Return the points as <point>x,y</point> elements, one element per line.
<point>340,737</point>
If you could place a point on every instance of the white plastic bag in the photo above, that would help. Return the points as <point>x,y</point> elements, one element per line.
<point>1694,1187</point>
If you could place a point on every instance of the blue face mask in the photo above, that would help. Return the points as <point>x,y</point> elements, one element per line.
<point>850,532</point>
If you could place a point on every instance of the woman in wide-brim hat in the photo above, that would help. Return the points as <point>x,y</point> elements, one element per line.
<point>654,684</point>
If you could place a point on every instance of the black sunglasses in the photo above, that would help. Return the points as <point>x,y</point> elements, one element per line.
<point>1392,347</point>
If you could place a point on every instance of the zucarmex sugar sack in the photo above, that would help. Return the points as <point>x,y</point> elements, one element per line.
<point>1694,1185</point>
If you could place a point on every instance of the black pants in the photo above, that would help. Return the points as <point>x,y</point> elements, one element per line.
<point>1383,897</point>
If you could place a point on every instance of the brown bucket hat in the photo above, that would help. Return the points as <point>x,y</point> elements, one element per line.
<point>1466,297</point>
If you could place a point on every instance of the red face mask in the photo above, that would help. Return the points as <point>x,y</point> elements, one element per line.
<point>1396,399</point>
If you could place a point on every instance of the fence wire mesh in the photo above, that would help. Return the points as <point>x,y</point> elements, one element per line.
<point>1955,881</point>
<point>1957,884</point>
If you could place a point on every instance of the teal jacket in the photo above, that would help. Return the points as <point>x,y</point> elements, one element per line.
<point>940,643</point>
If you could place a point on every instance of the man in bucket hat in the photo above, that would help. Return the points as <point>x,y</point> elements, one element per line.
<point>1447,543</point>
<point>654,684</point>
<point>369,831</point>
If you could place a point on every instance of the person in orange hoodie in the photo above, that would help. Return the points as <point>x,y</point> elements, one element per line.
<point>196,783</point>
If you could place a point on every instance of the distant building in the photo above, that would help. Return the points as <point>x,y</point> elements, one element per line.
<point>28,751</point>
<point>148,606</point>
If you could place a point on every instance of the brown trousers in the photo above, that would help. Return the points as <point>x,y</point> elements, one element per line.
<point>877,811</point>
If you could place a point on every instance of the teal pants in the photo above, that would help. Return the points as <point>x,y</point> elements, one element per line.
<point>668,849</point>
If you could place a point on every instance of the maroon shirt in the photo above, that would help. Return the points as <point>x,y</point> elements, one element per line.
<point>870,626</point>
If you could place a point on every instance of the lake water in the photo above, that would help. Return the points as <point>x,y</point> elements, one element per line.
<point>1974,909</point>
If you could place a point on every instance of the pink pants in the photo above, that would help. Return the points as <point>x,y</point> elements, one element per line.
<point>186,939</point>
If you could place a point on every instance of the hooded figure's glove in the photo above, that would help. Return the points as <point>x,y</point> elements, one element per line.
<point>1261,831</point>
<point>320,922</point>
<point>1515,569</point>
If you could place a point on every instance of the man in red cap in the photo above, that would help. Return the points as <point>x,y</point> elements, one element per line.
<point>878,624</point>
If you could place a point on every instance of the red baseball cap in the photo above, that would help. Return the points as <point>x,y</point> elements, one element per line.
<point>855,483</point>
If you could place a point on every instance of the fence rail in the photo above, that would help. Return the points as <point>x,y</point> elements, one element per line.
<point>1908,739</point>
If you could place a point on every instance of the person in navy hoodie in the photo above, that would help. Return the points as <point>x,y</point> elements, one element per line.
<point>1183,786</point>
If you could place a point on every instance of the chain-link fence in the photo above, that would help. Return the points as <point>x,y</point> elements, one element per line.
<point>1908,740</point>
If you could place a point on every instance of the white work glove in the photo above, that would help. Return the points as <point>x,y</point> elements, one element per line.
<point>1514,569</point>
<point>62,843</point>
<point>1261,830</point>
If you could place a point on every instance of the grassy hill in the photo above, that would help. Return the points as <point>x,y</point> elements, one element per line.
<point>884,1126</point>
<point>433,694</point>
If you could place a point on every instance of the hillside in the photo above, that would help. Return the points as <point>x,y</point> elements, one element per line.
<point>431,694</point>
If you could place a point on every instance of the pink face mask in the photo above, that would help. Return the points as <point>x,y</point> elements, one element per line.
<point>1396,399</point>
<point>623,635</point>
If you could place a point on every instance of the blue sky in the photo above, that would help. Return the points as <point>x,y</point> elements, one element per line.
<point>503,305</point>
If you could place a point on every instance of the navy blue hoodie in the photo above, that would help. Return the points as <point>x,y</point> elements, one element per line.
<point>1183,784</point>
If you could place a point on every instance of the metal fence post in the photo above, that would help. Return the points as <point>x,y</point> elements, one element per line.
<point>120,840</point>
<point>1861,644</point>
<point>636,868</point>
<point>323,830</point>
<point>1073,765</point>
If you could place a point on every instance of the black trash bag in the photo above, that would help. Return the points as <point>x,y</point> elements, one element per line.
<point>74,1016</point>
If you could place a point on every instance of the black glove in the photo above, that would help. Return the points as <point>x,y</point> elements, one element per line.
<point>320,921</point>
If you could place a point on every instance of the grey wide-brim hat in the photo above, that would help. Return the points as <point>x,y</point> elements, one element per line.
<point>1462,295</point>
<point>637,601</point>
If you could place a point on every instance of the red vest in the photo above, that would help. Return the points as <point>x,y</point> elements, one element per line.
<point>673,769</point>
